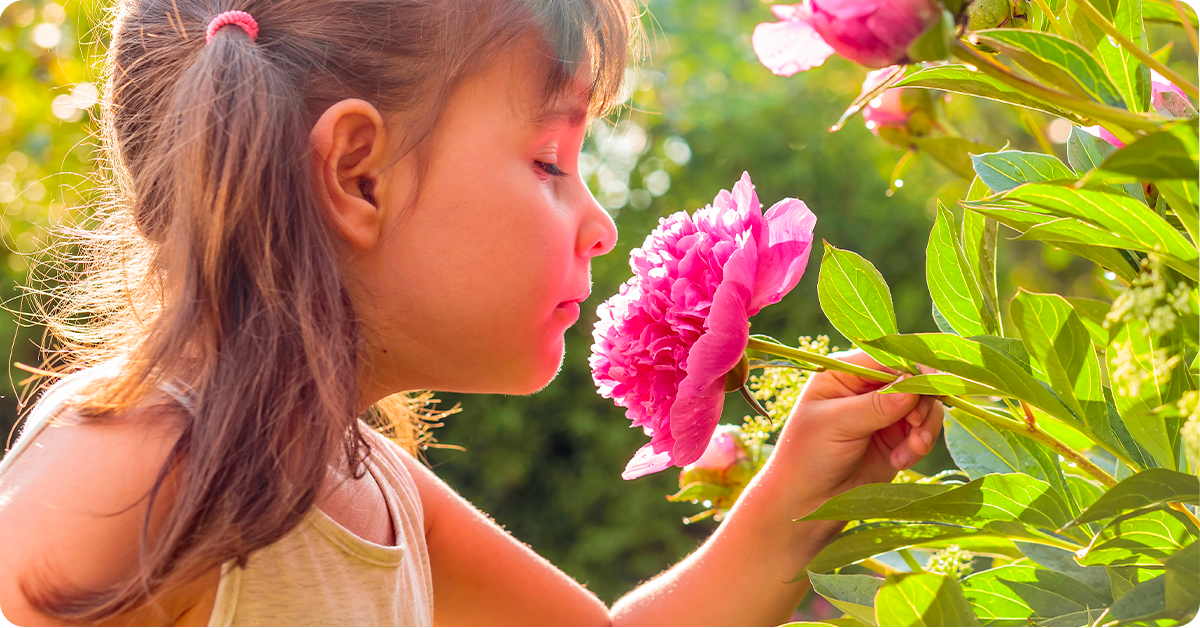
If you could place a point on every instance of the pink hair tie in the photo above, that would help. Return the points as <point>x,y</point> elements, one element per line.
<point>241,18</point>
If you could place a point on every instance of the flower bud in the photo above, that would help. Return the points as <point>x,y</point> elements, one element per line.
<point>983,14</point>
<point>725,449</point>
<point>739,375</point>
<point>874,34</point>
<point>909,109</point>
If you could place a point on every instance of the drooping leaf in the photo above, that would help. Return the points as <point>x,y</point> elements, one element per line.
<point>1058,340</point>
<point>1060,62</point>
<point>1025,592</point>
<point>1143,538</point>
<point>872,539</point>
<point>1147,488</point>
<point>952,285</point>
<point>1092,313</point>
<point>960,80</point>
<point>922,599</point>
<point>852,593</point>
<point>1182,585</point>
<point>1006,170</point>
<point>980,236</point>
<point>857,302</point>
<point>1008,497</point>
<point>979,449</point>
<point>1156,432</point>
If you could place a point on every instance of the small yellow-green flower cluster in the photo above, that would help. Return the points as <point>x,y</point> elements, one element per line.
<point>779,388</point>
<point>1189,408</point>
<point>1151,300</point>
<point>952,561</point>
<point>1148,299</point>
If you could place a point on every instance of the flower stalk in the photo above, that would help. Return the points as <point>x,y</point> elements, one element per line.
<point>1029,429</point>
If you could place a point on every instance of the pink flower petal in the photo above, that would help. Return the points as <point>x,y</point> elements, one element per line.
<point>783,253</point>
<point>645,462</point>
<point>788,47</point>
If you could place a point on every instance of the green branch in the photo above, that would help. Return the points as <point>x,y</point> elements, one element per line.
<point>1021,427</point>
<point>1117,121</point>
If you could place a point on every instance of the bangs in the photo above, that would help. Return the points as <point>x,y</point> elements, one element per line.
<point>597,33</point>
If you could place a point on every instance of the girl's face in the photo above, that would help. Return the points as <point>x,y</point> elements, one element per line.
<point>471,287</point>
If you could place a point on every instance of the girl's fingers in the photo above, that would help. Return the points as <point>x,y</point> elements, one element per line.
<point>921,438</point>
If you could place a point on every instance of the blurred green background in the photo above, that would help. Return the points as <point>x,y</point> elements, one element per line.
<point>701,110</point>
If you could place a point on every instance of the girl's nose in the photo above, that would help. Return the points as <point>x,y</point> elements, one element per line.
<point>597,232</point>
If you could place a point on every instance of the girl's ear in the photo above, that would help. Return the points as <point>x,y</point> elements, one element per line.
<point>350,151</point>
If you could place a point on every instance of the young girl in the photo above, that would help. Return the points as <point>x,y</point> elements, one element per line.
<point>319,206</point>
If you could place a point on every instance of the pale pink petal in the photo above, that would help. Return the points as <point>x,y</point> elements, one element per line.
<point>788,47</point>
<point>789,11</point>
<point>1104,134</point>
<point>783,253</point>
<point>645,462</point>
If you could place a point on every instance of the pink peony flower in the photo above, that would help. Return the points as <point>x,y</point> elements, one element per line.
<point>725,449</point>
<point>1165,99</point>
<point>886,109</point>
<point>874,33</point>
<point>664,342</point>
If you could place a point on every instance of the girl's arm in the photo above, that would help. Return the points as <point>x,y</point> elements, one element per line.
<point>842,434</point>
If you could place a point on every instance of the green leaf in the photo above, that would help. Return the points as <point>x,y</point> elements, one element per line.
<point>1124,579</point>
<point>979,449</point>
<point>1154,431</point>
<point>1143,538</point>
<point>1182,196</point>
<point>952,285</point>
<point>1121,215</point>
<point>1085,152</point>
<point>922,599</point>
<point>857,302</point>
<point>1008,497</point>
<point>1006,170</point>
<point>853,594</point>
<point>1058,340</point>
<point>872,539</point>
<point>976,361</point>
<point>1183,578</point>
<point>1025,592</point>
<point>698,491</point>
<point>960,80</point>
<point>1131,78</point>
<point>952,152</point>
<point>1146,599</point>
<point>835,621</point>
<point>870,501</point>
<point>941,384</point>
<point>1151,487</point>
<point>1164,11</point>
<point>1092,313</point>
<point>980,236</point>
<point>1058,61</point>
<point>1063,561</point>
<point>1172,153</point>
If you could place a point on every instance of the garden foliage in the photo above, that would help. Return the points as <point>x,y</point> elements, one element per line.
<point>1072,421</point>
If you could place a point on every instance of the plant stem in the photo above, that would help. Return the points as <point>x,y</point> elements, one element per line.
<point>1117,119</point>
<point>1028,429</point>
<point>1053,17</point>
<point>910,561</point>
<point>1112,31</point>
<point>1181,508</point>
<point>1187,25</point>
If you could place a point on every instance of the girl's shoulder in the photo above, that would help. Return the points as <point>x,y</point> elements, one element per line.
<point>73,501</point>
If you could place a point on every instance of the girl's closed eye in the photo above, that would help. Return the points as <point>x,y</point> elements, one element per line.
<point>550,169</point>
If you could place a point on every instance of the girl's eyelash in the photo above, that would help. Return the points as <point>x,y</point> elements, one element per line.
<point>551,169</point>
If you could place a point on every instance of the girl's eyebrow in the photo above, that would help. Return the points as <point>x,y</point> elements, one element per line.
<point>572,113</point>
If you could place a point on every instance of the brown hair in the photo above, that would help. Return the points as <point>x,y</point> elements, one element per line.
<point>213,263</point>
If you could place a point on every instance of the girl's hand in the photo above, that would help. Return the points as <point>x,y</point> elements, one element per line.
<point>843,433</point>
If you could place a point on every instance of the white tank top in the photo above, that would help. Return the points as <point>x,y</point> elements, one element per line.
<point>319,573</point>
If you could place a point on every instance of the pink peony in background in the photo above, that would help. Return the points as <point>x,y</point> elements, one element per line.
<point>725,449</point>
<point>1165,99</point>
<point>874,33</point>
<point>664,342</point>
